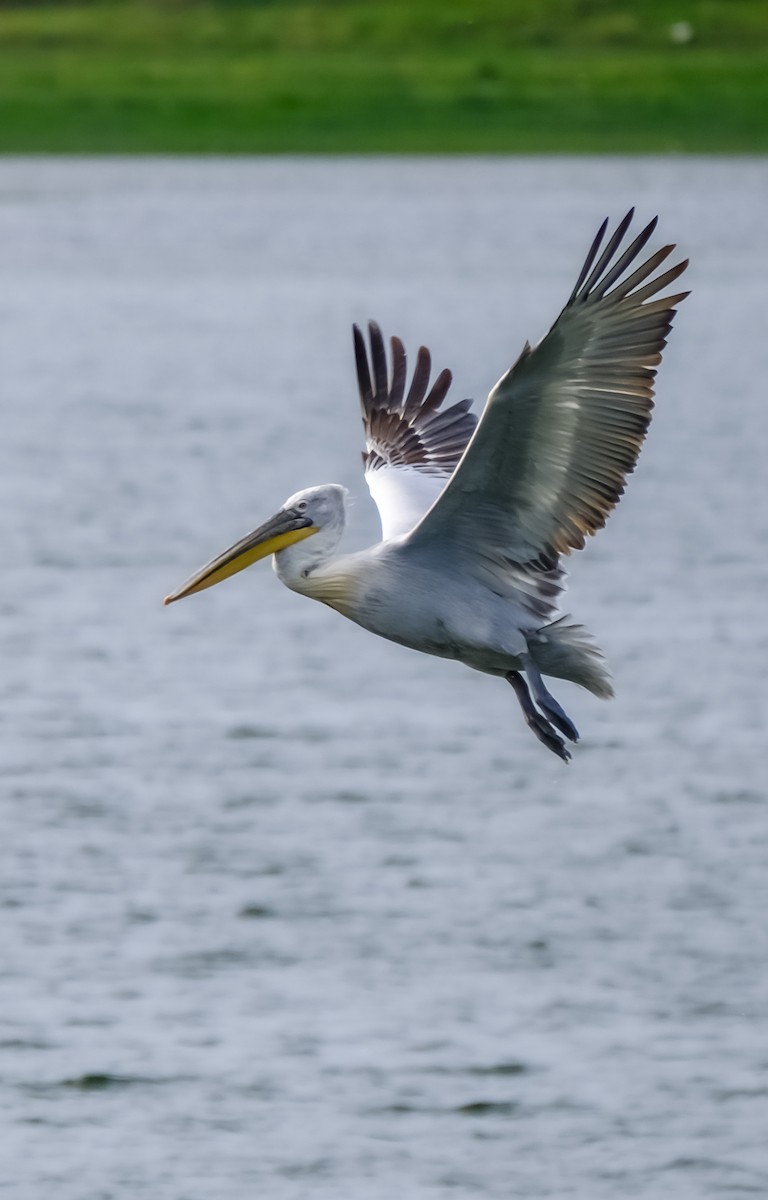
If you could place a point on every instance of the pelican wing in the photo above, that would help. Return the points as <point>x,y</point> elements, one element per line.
<point>563,428</point>
<point>412,444</point>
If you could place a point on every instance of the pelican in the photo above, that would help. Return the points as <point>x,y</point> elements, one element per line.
<point>476,515</point>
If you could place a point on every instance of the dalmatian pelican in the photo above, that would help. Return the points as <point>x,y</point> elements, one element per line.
<point>477,514</point>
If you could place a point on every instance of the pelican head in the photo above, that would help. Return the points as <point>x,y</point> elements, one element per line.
<point>316,513</point>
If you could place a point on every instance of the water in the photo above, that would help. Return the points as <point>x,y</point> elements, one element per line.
<point>289,912</point>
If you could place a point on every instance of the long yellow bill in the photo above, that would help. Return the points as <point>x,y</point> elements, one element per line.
<point>285,528</point>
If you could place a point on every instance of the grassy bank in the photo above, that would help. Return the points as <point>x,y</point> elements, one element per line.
<point>403,75</point>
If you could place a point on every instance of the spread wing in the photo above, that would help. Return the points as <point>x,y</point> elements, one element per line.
<point>412,444</point>
<point>563,428</point>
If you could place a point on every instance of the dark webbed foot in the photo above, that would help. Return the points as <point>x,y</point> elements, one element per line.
<point>542,728</point>
<point>560,719</point>
<point>547,703</point>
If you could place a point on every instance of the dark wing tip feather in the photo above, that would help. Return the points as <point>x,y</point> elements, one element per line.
<point>613,243</point>
<point>379,363</point>
<point>414,431</point>
<point>418,389</point>
<point>399,371</point>
<point>591,255</point>
<point>437,392</point>
<point>363,374</point>
<point>597,278</point>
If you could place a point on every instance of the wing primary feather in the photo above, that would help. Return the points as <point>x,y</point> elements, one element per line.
<point>636,278</point>
<point>379,361</point>
<point>399,367</point>
<point>363,374</point>
<point>613,244</point>
<point>439,420</point>
<point>657,284</point>
<point>629,255</point>
<point>668,303</point>
<point>582,288</point>
<point>591,254</point>
<point>418,387</point>
<point>438,391</point>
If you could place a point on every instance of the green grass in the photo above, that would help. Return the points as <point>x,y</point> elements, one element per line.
<point>404,75</point>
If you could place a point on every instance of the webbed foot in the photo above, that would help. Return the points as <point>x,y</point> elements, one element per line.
<point>546,701</point>
<point>537,723</point>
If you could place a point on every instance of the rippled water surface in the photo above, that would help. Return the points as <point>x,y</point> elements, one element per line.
<point>290,912</point>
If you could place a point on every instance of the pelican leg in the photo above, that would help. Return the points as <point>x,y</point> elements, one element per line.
<point>534,720</point>
<point>547,703</point>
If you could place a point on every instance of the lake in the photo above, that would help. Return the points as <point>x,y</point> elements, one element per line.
<point>288,911</point>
